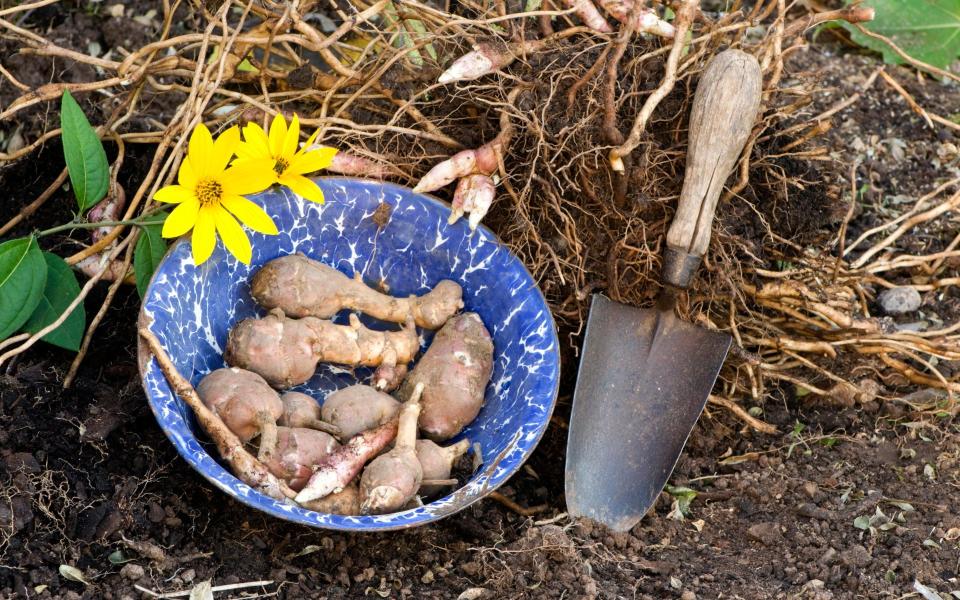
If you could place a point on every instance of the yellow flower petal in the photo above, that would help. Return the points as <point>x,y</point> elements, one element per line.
<point>174,194</point>
<point>181,219</point>
<point>303,187</point>
<point>233,236</point>
<point>278,131</point>
<point>224,148</point>
<point>204,235</point>
<point>264,164</point>
<point>186,175</point>
<point>250,214</point>
<point>292,139</point>
<point>312,161</point>
<point>200,150</point>
<point>306,147</point>
<point>255,144</point>
<point>247,179</point>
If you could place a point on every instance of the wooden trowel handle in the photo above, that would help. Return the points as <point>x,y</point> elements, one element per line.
<point>724,109</point>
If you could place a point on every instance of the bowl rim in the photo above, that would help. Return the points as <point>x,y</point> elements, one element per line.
<point>145,357</point>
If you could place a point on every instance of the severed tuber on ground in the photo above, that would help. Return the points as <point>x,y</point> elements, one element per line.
<point>358,408</point>
<point>245,403</point>
<point>393,479</point>
<point>454,371</point>
<point>303,287</point>
<point>336,471</point>
<point>300,410</point>
<point>437,462</point>
<point>298,450</point>
<point>286,351</point>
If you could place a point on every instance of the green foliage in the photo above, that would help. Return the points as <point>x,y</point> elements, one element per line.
<point>146,256</point>
<point>927,30</point>
<point>23,274</point>
<point>682,497</point>
<point>84,154</point>
<point>60,290</point>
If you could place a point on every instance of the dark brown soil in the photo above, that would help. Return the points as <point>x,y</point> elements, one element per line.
<point>848,502</point>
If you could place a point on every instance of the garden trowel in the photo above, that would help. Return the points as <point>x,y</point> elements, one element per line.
<point>645,374</point>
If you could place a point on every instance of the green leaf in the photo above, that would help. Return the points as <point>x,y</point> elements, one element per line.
<point>927,30</point>
<point>862,522</point>
<point>23,273</point>
<point>532,5</point>
<point>246,67</point>
<point>58,293</point>
<point>73,574</point>
<point>146,256</point>
<point>84,154</point>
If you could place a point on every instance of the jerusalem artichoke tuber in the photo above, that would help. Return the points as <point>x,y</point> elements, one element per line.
<point>437,462</point>
<point>285,351</point>
<point>455,371</point>
<point>246,404</point>
<point>298,450</point>
<point>392,479</point>
<point>338,469</point>
<point>358,408</point>
<point>302,287</point>
<point>344,502</point>
<point>300,410</point>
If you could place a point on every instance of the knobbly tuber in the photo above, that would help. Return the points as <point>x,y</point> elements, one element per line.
<point>344,502</point>
<point>454,371</point>
<point>474,195</point>
<point>302,287</point>
<point>246,404</point>
<point>298,450</point>
<point>286,351</point>
<point>358,408</point>
<point>437,462</point>
<point>393,479</point>
<point>338,469</point>
<point>300,410</point>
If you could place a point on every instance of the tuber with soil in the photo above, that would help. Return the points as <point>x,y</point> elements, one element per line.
<point>286,351</point>
<point>358,408</point>
<point>437,462</point>
<point>454,372</point>
<point>338,470</point>
<point>393,479</point>
<point>298,449</point>
<point>245,403</point>
<point>302,287</point>
<point>300,410</point>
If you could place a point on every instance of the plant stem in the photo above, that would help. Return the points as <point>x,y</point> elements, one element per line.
<point>75,225</point>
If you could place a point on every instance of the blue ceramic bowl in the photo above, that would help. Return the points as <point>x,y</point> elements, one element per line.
<point>191,310</point>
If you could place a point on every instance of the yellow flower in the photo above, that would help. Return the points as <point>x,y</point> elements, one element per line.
<point>280,147</point>
<point>209,196</point>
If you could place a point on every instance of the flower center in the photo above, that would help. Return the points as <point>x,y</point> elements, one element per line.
<point>209,192</point>
<point>280,166</point>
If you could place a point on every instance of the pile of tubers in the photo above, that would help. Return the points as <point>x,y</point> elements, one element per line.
<point>357,452</point>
